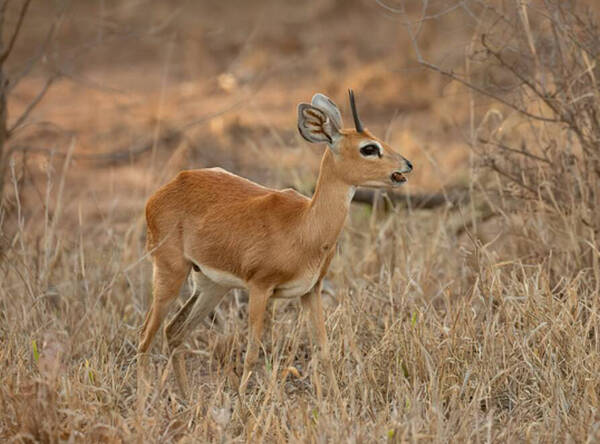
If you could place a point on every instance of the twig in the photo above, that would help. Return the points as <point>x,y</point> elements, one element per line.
<point>15,34</point>
<point>17,77</point>
<point>541,94</point>
<point>467,226</point>
<point>512,178</point>
<point>450,74</point>
<point>33,103</point>
<point>514,150</point>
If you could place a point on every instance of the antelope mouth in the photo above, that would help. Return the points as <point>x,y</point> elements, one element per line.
<point>398,178</point>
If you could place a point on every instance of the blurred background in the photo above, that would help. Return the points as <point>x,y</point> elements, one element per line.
<point>143,89</point>
<point>465,310</point>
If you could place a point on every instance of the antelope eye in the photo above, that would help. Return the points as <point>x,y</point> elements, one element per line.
<point>370,150</point>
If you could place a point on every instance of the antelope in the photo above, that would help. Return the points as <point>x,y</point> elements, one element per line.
<point>229,232</point>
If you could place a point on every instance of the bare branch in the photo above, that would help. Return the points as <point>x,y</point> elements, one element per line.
<point>512,178</point>
<point>33,104</point>
<point>390,8</point>
<point>15,34</point>
<point>16,78</point>
<point>425,201</point>
<point>451,75</point>
<point>424,17</point>
<point>514,150</point>
<point>546,98</point>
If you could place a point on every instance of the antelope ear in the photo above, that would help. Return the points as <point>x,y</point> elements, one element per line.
<point>324,103</point>
<point>315,125</point>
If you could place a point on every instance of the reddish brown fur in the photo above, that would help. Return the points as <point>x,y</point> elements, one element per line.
<point>271,234</point>
<point>266,238</point>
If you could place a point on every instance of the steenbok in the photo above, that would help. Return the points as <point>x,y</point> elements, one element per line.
<point>230,233</point>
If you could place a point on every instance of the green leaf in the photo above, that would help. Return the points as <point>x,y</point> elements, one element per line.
<point>404,369</point>
<point>90,372</point>
<point>36,353</point>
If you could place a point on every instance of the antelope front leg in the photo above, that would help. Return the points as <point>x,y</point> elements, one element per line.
<point>312,301</point>
<point>257,306</point>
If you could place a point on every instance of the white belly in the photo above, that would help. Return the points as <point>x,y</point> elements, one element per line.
<point>294,288</point>
<point>222,278</point>
<point>297,287</point>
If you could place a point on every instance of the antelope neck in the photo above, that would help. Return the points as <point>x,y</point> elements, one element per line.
<point>330,202</point>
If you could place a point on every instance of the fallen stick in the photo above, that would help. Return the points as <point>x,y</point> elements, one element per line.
<point>425,201</point>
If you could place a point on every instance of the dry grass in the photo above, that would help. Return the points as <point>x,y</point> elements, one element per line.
<point>432,339</point>
<point>470,324</point>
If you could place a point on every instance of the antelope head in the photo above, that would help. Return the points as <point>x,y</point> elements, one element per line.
<point>361,159</point>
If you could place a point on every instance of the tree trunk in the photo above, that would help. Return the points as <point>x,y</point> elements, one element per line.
<point>3,112</point>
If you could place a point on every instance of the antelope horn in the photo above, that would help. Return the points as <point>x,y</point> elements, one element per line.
<point>357,122</point>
